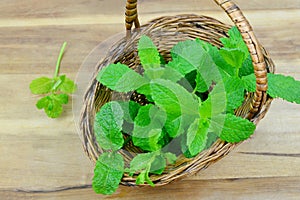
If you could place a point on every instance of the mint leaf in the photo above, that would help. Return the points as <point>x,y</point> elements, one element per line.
<point>171,158</point>
<point>130,110</point>
<point>120,78</point>
<point>158,165</point>
<point>61,98</point>
<point>108,126</point>
<point>148,126</point>
<point>166,73</point>
<point>247,67</point>
<point>215,103</point>
<point>235,40</point>
<point>197,136</point>
<point>173,98</point>
<point>235,93</point>
<point>249,82</point>
<point>52,104</point>
<point>68,86</point>
<point>148,141</point>
<point>108,173</point>
<point>186,57</point>
<point>148,53</point>
<point>235,52</point>
<point>234,57</point>
<point>180,106</point>
<point>211,139</point>
<point>233,89</point>
<point>284,87</point>
<point>201,85</point>
<point>142,162</point>
<point>231,128</point>
<point>175,126</point>
<point>42,85</point>
<point>279,86</point>
<point>189,56</point>
<point>226,70</point>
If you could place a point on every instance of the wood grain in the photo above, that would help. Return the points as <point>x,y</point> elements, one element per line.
<point>43,158</point>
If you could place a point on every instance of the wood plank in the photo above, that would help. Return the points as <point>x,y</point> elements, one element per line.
<point>42,8</point>
<point>238,189</point>
<point>34,49</point>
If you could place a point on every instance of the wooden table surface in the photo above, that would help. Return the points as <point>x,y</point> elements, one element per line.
<point>43,158</point>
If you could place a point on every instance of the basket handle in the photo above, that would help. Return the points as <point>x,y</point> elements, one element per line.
<point>238,18</point>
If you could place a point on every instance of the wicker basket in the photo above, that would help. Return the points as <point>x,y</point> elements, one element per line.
<point>166,32</point>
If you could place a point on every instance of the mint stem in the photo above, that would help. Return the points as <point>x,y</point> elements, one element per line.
<point>61,53</point>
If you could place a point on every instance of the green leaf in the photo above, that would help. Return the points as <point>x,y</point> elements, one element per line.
<point>68,86</point>
<point>201,86</point>
<point>54,108</point>
<point>166,73</point>
<point>171,158</point>
<point>234,57</point>
<point>108,126</point>
<point>173,98</point>
<point>233,89</point>
<point>226,70</point>
<point>148,126</point>
<point>197,136</point>
<point>247,67</point>
<point>184,147</point>
<point>120,78</point>
<point>142,161</point>
<point>189,56</point>
<point>235,93</point>
<point>211,139</point>
<point>175,127</point>
<point>249,82</point>
<point>235,40</point>
<point>158,165</point>
<point>148,53</point>
<point>52,104</point>
<point>186,56</point>
<point>284,87</point>
<point>130,110</point>
<point>42,85</point>
<point>108,173</point>
<point>180,106</point>
<point>231,128</point>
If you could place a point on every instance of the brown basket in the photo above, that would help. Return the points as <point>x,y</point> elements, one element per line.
<point>166,32</point>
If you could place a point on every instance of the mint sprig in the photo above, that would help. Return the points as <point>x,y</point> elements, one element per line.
<point>55,90</point>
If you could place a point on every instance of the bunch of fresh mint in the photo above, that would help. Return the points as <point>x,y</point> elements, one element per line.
<point>192,100</point>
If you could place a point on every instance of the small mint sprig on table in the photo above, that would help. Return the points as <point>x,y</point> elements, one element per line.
<point>55,90</point>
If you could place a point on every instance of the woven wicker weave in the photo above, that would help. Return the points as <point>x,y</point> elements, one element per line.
<point>166,32</point>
